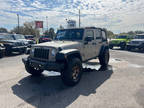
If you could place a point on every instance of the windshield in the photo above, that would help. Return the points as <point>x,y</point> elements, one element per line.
<point>139,37</point>
<point>121,37</point>
<point>19,37</point>
<point>70,34</point>
<point>6,37</point>
<point>29,37</point>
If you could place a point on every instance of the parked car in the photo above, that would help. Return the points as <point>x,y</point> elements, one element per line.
<point>137,43</point>
<point>11,45</point>
<point>2,50</point>
<point>66,54</point>
<point>22,38</point>
<point>29,37</point>
<point>119,41</point>
<point>44,39</point>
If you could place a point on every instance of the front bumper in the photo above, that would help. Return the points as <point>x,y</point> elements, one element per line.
<point>2,52</point>
<point>135,46</point>
<point>50,66</point>
<point>19,48</point>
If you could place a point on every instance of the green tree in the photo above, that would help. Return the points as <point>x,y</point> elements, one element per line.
<point>139,32</point>
<point>16,30</point>
<point>61,27</point>
<point>110,34</point>
<point>27,29</point>
<point>3,30</point>
<point>51,33</point>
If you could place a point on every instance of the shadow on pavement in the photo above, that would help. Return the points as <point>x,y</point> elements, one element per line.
<point>50,92</point>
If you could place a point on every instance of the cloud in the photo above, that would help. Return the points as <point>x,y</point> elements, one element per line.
<point>116,15</point>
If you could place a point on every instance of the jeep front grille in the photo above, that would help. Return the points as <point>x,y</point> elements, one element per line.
<point>41,53</point>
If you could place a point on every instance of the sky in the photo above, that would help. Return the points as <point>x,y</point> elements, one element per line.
<point>115,15</point>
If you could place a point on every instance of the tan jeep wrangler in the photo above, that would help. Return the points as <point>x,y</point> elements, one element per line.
<point>67,52</point>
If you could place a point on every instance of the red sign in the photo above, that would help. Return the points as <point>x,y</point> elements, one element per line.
<point>39,24</point>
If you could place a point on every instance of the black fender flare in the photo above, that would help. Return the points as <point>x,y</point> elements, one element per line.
<point>103,48</point>
<point>65,55</point>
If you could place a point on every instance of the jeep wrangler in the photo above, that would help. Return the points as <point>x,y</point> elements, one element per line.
<point>120,41</point>
<point>67,52</point>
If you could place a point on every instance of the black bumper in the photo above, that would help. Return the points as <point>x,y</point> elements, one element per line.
<point>50,66</point>
<point>19,48</point>
<point>134,46</point>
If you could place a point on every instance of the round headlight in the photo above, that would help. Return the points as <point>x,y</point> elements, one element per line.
<point>53,52</point>
<point>32,51</point>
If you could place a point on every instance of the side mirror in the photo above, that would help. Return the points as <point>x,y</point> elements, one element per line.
<point>88,38</point>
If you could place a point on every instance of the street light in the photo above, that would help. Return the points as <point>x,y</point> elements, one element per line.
<point>47,22</point>
<point>18,22</point>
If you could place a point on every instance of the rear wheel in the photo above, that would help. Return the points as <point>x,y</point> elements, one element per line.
<point>1,54</point>
<point>129,48</point>
<point>73,72</point>
<point>33,70</point>
<point>8,51</point>
<point>111,46</point>
<point>123,46</point>
<point>104,58</point>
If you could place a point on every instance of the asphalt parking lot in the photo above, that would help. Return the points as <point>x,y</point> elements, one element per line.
<point>120,86</point>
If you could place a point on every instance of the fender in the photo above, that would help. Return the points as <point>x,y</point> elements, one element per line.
<point>64,55</point>
<point>103,49</point>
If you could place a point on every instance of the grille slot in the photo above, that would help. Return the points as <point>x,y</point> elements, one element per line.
<point>41,53</point>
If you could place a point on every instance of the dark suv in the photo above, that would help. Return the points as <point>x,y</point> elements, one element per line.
<point>22,39</point>
<point>137,43</point>
<point>2,50</point>
<point>11,45</point>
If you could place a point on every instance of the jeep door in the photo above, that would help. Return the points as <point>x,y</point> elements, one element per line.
<point>98,41</point>
<point>88,47</point>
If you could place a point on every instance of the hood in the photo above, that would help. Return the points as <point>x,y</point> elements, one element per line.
<point>140,40</point>
<point>60,44</point>
<point>10,41</point>
<point>24,40</point>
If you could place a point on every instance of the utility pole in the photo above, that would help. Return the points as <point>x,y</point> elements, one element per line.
<point>79,19</point>
<point>47,22</point>
<point>18,22</point>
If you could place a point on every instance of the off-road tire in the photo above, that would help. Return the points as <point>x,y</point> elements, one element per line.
<point>123,46</point>
<point>111,46</point>
<point>71,75</point>
<point>1,54</point>
<point>129,48</point>
<point>33,71</point>
<point>8,51</point>
<point>104,58</point>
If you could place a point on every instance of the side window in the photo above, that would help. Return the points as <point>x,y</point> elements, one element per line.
<point>98,34</point>
<point>104,35</point>
<point>90,33</point>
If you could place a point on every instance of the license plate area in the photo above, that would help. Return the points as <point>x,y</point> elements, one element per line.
<point>39,65</point>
